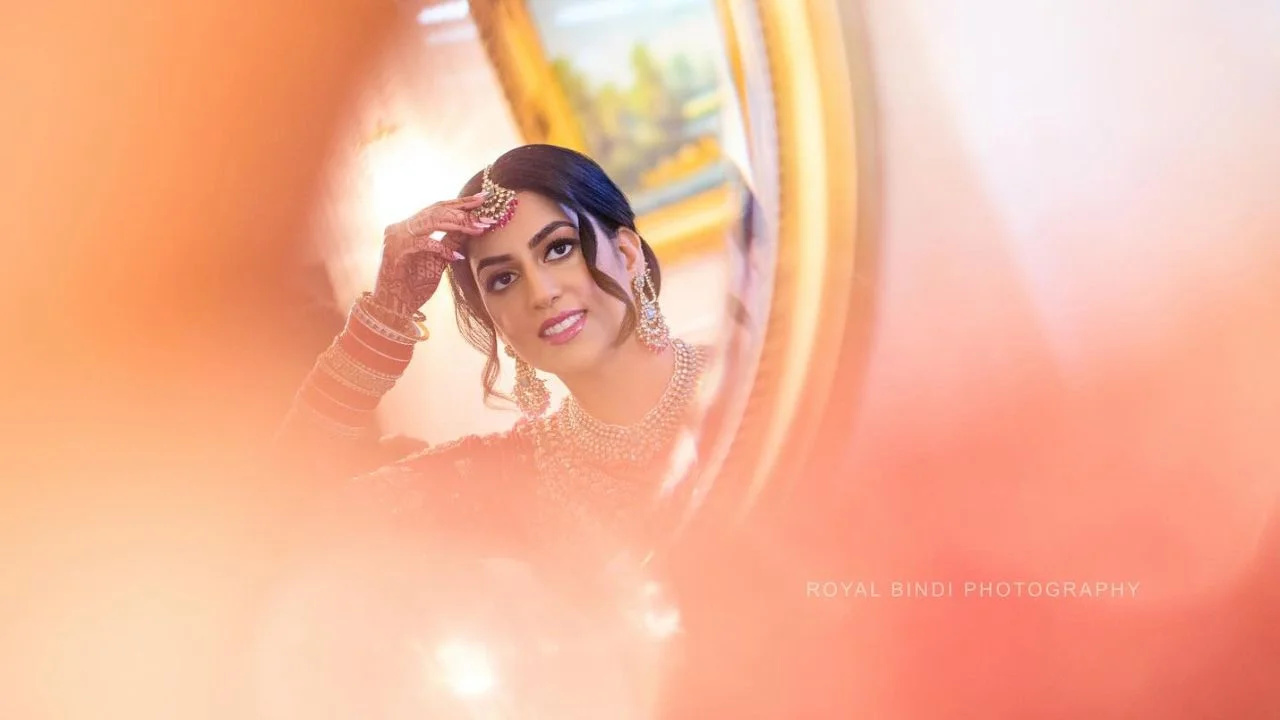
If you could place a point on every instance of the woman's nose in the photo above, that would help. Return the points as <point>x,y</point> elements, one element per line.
<point>543,289</point>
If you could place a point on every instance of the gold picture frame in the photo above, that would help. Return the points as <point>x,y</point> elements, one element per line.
<point>688,226</point>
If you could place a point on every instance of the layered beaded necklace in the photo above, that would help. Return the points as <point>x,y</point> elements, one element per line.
<point>603,473</point>
<point>629,445</point>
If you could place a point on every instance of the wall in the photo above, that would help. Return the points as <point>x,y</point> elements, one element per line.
<point>1074,369</point>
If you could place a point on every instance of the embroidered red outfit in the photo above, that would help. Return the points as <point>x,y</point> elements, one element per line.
<point>564,480</point>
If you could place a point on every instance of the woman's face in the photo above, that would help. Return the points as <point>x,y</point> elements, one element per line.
<point>535,284</point>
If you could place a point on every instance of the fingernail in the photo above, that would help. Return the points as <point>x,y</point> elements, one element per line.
<point>459,256</point>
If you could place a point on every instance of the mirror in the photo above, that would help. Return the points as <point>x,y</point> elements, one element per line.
<point>730,126</point>
<point>660,104</point>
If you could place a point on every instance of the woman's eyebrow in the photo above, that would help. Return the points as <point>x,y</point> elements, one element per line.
<point>551,227</point>
<point>534,241</point>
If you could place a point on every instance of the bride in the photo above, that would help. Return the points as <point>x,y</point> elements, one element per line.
<point>543,258</point>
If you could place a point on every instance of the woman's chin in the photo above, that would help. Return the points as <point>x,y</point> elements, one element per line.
<point>583,352</point>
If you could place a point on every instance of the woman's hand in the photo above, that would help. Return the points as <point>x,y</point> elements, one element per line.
<point>413,262</point>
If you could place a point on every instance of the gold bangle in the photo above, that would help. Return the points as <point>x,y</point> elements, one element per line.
<point>344,363</point>
<point>361,314</point>
<point>416,315</point>
<point>363,385</point>
<point>392,322</point>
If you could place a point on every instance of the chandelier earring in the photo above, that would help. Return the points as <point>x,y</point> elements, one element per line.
<point>652,326</point>
<point>532,396</point>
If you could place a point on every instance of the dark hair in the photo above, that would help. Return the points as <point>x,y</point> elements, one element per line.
<point>570,179</point>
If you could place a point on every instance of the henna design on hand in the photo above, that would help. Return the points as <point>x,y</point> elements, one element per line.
<point>413,262</point>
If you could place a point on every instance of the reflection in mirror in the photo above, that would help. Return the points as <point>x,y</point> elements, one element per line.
<point>567,184</point>
<point>655,102</point>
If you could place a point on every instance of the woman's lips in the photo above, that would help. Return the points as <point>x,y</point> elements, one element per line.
<point>564,328</point>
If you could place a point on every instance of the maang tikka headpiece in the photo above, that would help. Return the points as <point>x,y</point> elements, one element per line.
<point>501,203</point>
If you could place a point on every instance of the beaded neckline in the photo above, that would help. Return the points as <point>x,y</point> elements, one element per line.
<point>643,440</point>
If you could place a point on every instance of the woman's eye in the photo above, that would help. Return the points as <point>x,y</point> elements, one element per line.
<point>560,250</point>
<point>500,281</point>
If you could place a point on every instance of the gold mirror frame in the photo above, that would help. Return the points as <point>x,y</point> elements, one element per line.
<point>820,238</point>
<point>542,112</point>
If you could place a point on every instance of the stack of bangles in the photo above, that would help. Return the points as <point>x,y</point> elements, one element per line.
<point>362,364</point>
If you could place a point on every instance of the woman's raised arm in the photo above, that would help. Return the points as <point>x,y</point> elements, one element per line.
<point>329,432</point>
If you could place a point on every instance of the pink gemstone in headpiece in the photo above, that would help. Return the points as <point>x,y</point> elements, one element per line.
<point>501,203</point>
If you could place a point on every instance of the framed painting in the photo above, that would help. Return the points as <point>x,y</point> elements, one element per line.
<point>640,86</point>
